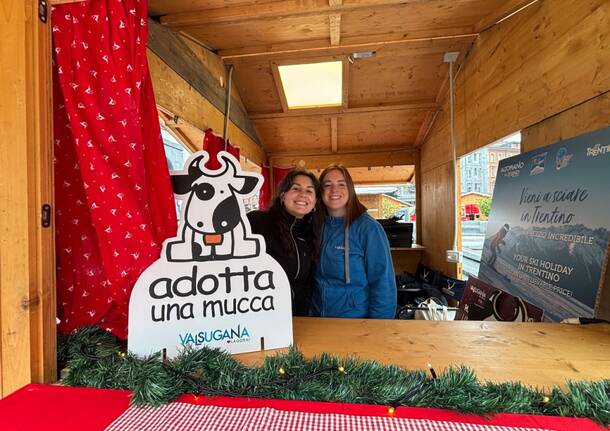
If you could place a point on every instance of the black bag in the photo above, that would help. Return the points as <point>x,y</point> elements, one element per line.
<point>399,234</point>
<point>427,275</point>
<point>434,292</point>
<point>451,287</point>
<point>408,288</point>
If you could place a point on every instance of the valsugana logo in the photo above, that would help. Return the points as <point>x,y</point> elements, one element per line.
<point>237,334</point>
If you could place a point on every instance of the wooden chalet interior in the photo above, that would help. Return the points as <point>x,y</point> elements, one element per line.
<point>540,67</point>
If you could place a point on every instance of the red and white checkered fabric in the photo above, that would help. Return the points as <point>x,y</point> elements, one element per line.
<point>190,417</point>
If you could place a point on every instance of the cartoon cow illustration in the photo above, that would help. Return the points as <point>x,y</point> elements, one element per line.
<point>212,225</point>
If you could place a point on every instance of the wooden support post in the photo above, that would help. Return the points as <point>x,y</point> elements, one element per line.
<point>334,138</point>
<point>419,219</point>
<point>334,22</point>
<point>27,268</point>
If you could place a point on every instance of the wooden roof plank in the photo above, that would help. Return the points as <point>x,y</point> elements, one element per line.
<point>285,8</point>
<point>178,56</point>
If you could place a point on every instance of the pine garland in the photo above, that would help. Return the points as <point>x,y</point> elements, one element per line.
<point>96,359</point>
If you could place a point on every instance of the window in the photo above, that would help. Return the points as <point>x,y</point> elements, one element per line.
<point>384,201</point>
<point>176,154</point>
<point>312,85</point>
<point>483,182</point>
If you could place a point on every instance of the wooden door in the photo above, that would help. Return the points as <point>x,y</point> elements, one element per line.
<point>27,267</point>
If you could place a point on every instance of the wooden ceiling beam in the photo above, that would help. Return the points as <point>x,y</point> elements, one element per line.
<point>349,44</point>
<point>340,111</point>
<point>277,79</point>
<point>423,129</point>
<point>309,53</point>
<point>510,7</point>
<point>334,22</point>
<point>388,157</point>
<point>275,9</point>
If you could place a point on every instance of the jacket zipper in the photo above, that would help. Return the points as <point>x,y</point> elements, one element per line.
<point>296,247</point>
<point>325,246</point>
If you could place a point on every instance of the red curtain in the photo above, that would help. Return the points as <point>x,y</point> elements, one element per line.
<point>213,143</point>
<point>264,195</point>
<point>267,193</point>
<point>279,174</point>
<point>114,202</point>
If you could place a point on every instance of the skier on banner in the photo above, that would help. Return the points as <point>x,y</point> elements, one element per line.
<point>496,241</point>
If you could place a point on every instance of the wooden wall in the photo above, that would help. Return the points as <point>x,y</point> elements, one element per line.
<point>27,267</point>
<point>544,60</point>
<point>436,216</point>
<point>591,115</point>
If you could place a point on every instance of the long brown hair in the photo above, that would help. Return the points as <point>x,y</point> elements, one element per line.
<point>313,221</point>
<point>354,207</point>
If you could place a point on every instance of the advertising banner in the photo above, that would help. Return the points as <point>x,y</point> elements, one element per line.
<point>484,302</point>
<point>549,226</point>
<point>214,284</point>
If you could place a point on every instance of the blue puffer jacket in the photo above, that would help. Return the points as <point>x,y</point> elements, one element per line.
<point>365,288</point>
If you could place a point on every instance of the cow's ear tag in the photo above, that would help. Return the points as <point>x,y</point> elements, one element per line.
<point>214,284</point>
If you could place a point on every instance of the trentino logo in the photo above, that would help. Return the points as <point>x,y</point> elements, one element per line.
<point>598,150</point>
<point>237,334</point>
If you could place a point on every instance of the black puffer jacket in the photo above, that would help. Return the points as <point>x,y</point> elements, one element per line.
<point>298,265</point>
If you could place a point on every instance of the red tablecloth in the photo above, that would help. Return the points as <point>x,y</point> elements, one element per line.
<point>49,408</point>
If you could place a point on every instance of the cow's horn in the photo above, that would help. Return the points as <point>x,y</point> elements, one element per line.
<point>228,162</point>
<point>194,169</point>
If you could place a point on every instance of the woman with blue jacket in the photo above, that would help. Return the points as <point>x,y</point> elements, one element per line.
<point>355,275</point>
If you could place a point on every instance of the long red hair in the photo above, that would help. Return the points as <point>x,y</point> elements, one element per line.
<point>354,207</point>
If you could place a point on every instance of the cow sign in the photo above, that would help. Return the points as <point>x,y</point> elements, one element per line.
<point>214,284</point>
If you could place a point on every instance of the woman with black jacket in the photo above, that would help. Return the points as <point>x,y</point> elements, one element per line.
<point>291,231</point>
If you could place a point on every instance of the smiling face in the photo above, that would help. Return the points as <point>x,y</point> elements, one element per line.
<point>335,193</point>
<point>300,199</point>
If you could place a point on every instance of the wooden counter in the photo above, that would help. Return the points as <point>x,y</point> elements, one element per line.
<point>537,354</point>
